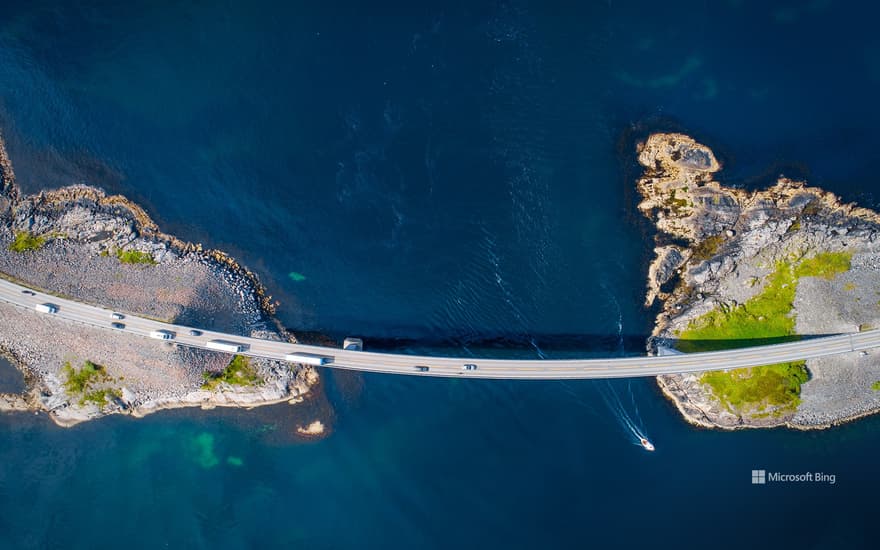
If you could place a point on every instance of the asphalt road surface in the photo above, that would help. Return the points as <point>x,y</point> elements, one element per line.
<point>550,369</point>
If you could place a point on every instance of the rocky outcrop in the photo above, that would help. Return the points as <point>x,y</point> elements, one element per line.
<point>87,215</point>
<point>8,189</point>
<point>314,429</point>
<point>715,245</point>
<point>81,231</point>
<point>13,402</point>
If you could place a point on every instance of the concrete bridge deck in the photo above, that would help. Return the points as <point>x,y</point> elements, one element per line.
<point>392,363</point>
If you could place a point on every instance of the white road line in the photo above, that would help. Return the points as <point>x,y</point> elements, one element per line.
<point>616,367</point>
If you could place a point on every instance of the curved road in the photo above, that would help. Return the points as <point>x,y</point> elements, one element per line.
<point>618,367</point>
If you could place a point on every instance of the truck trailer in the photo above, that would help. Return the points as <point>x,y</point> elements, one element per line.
<point>308,359</point>
<point>161,334</point>
<point>225,345</point>
<point>46,308</point>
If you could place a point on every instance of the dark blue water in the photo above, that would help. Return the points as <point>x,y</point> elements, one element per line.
<point>451,176</point>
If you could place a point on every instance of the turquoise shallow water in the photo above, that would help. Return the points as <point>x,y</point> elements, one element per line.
<point>413,464</point>
<point>442,177</point>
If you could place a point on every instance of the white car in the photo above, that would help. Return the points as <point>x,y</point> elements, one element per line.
<point>115,315</point>
<point>469,366</point>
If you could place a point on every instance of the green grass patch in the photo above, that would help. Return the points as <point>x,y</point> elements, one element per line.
<point>79,380</point>
<point>135,257</point>
<point>100,397</point>
<point>239,372</point>
<point>81,383</point>
<point>765,316</point>
<point>757,388</point>
<point>825,265</point>
<point>876,386</point>
<point>25,241</point>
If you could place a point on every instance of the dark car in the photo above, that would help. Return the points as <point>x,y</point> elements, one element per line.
<point>422,368</point>
<point>120,326</point>
<point>469,366</point>
<point>28,292</point>
<point>195,332</point>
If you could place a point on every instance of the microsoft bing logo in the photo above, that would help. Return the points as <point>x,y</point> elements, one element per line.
<point>759,477</point>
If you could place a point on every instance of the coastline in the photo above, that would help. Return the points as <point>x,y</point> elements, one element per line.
<point>106,249</point>
<point>714,250</point>
<point>718,252</point>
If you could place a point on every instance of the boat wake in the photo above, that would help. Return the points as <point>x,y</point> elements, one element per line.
<point>625,413</point>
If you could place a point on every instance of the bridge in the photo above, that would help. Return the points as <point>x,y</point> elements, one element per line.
<point>395,363</point>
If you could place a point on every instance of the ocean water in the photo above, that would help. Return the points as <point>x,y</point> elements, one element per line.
<point>452,177</point>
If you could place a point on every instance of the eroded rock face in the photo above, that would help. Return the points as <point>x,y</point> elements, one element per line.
<point>663,269</point>
<point>715,246</point>
<point>724,226</point>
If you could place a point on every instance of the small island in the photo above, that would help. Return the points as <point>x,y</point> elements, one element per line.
<point>732,268</point>
<point>77,242</point>
<point>736,268</point>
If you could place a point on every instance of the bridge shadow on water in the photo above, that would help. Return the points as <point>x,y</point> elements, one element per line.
<point>546,343</point>
<point>537,345</point>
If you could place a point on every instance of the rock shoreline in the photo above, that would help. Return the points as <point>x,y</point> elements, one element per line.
<point>82,232</point>
<point>714,248</point>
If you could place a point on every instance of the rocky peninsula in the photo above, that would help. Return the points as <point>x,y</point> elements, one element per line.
<point>80,243</point>
<point>734,268</point>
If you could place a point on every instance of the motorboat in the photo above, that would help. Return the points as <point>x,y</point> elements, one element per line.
<point>646,444</point>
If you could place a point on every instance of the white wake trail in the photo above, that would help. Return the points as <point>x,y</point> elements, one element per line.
<point>631,423</point>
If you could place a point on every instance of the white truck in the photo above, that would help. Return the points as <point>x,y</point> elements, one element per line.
<point>161,334</point>
<point>308,359</point>
<point>225,345</point>
<point>46,308</point>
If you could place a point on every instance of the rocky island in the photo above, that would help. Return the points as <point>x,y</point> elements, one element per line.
<point>732,268</point>
<point>740,268</point>
<point>80,243</point>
